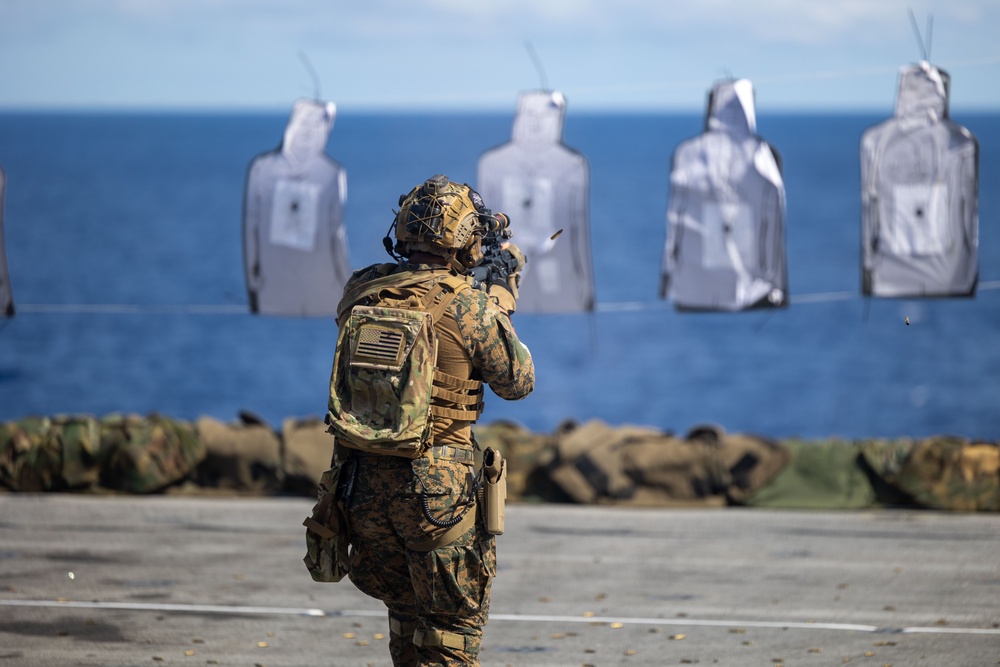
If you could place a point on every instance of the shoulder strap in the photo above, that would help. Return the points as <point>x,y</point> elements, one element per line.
<point>452,282</point>
<point>369,288</point>
<point>436,301</point>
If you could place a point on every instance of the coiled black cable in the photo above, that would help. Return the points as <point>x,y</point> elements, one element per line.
<point>425,506</point>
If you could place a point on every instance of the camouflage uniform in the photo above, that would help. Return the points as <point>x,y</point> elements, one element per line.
<point>437,599</point>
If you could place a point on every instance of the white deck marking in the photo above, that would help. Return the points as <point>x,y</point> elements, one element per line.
<point>517,618</point>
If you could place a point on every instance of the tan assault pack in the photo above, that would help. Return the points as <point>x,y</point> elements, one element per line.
<point>385,389</point>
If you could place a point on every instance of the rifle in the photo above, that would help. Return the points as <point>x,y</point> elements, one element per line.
<point>499,265</point>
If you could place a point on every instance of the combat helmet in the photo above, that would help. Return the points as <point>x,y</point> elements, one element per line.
<point>442,218</point>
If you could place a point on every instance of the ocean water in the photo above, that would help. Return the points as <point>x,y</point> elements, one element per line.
<point>123,236</point>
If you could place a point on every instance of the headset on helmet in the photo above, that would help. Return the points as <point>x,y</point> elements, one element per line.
<point>442,218</point>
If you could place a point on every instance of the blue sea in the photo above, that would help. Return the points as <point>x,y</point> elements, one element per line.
<point>124,240</point>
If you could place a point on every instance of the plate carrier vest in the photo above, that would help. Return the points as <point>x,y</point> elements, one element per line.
<point>385,387</point>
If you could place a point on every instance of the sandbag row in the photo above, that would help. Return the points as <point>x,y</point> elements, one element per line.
<point>154,454</point>
<point>589,463</point>
<point>595,463</point>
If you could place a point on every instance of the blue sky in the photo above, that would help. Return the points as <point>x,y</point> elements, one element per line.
<point>648,55</point>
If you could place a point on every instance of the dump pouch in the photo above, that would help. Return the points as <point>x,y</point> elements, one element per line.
<point>495,497</point>
<point>327,535</point>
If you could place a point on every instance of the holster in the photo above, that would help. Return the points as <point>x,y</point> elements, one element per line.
<point>495,495</point>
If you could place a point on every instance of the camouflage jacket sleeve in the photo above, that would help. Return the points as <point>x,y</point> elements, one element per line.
<point>496,352</point>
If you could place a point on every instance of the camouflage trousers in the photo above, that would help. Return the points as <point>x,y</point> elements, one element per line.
<point>438,600</point>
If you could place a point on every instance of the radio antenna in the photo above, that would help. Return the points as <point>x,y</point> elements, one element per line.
<point>312,73</point>
<point>538,64</point>
<point>930,27</point>
<point>925,49</point>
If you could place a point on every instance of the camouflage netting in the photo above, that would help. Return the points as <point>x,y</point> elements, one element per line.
<point>591,463</point>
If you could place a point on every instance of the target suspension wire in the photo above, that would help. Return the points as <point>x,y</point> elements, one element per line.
<point>235,309</point>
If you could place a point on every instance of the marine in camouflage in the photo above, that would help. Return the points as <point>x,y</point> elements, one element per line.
<point>437,593</point>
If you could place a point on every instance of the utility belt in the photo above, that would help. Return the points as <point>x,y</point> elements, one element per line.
<point>489,490</point>
<point>435,453</point>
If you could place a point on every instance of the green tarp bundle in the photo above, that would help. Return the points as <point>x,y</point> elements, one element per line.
<point>940,472</point>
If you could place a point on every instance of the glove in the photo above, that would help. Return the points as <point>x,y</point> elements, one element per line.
<point>518,256</point>
<point>505,294</point>
<point>514,278</point>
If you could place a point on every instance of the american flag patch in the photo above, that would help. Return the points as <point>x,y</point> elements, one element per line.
<point>378,344</point>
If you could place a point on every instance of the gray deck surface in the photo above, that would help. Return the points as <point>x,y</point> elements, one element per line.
<point>167,580</point>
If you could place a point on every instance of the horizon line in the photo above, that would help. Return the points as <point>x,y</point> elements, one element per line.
<point>84,109</point>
